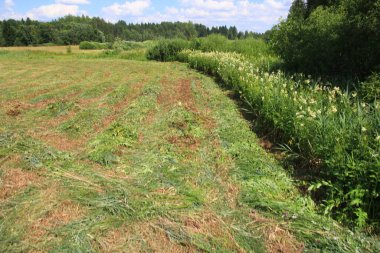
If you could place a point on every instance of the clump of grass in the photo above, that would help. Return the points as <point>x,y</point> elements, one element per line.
<point>60,108</point>
<point>105,147</point>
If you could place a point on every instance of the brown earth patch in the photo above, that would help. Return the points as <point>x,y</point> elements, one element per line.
<point>176,93</point>
<point>185,142</point>
<point>170,191</point>
<point>210,225</point>
<point>141,237</point>
<point>61,142</point>
<point>62,214</point>
<point>277,239</point>
<point>14,180</point>
<point>54,122</point>
<point>15,108</point>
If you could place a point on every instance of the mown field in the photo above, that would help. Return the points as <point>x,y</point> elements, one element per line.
<point>99,154</point>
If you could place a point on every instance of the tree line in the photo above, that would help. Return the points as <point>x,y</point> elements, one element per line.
<point>334,37</point>
<point>70,30</point>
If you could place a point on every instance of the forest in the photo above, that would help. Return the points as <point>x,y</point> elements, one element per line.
<point>72,30</point>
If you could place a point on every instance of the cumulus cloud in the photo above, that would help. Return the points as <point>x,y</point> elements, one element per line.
<point>129,8</point>
<point>246,15</point>
<point>72,2</point>
<point>210,4</point>
<point>53,11</point>
<point>8,11</point>
<point>257,15</point>
<point>8,4</point>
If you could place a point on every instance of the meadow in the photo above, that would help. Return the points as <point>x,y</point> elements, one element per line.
<point>328,136</point>
<point>103,151</point>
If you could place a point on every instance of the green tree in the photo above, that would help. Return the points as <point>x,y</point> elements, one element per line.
<point>9,29</point>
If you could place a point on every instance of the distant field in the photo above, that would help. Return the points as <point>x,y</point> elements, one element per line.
<point>110,155</point>
<point>51,49</point>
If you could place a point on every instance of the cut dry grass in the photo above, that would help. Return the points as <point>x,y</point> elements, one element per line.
<point>127,156</point>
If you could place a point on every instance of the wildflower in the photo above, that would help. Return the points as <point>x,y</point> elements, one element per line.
<point>378,138</point>
<point>364,129</point>
<point>354,94</point>
<point>313,114</point>
<point>302,124</point>
<point>333,109</point>
<point>307,81</point>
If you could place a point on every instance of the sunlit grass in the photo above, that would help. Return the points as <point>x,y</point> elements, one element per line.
<point>114,155</point>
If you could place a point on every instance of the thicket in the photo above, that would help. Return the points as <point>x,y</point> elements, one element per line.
<point>91,45</point>
<point>167,50</point>
<point>331,37</point>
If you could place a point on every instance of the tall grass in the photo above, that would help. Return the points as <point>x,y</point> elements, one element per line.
<point>332,133</point>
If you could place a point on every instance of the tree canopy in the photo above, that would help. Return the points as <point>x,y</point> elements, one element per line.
<point>335,37</point>
<point>74,29</point>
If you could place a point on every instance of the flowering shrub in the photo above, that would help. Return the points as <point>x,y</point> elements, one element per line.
<point>334,132</point>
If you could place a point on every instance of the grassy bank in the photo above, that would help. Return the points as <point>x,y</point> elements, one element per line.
<point>330,133</point>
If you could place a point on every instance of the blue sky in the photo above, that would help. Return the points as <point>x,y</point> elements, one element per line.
<point>254,15</point>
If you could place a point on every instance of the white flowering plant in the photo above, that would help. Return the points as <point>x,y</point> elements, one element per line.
<point>335,133</point>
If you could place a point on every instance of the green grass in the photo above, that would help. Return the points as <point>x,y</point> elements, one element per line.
<point>110,155</point>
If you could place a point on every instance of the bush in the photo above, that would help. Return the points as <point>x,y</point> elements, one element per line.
<point>167,50</point>
<point>69,50</point>
<point>126,45</point>
<point>214,42</point>
<point>254,49</point>
<point>90,45</point>
<point>341,38</point>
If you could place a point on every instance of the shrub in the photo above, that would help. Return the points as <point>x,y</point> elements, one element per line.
<point>126,45</point>
<point>341,39</point>
<point>167,50</point>
<point>214,42</point>
<point>89,45</point>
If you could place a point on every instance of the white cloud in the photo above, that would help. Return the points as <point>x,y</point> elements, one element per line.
<point>129,8</point>
<point>9,11</point>
<point>246,15</point>
<point>226,5</point>
<point>257,15</point>
<point>72,1</point>
<point>8,4</point>
<point>53,11</point>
